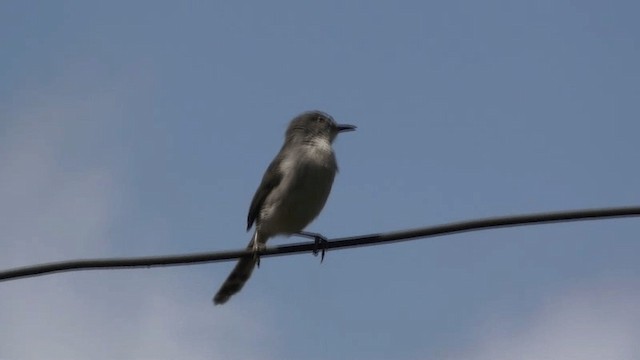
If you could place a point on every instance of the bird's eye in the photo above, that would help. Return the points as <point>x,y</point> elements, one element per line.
<point>320,119</point>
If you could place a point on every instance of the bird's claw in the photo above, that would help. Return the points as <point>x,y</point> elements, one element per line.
<point>319,239</point>
<point>257,247</point>
<point>319,245</point>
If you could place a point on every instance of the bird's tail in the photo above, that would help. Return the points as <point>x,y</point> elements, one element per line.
<point>238,277</point>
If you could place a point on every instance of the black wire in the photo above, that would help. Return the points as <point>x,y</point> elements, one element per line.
<point>340,243</point>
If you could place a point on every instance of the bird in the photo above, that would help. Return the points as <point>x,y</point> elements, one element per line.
<point>293,190</point>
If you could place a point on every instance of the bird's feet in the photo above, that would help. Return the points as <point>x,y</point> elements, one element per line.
<point>319,245</point>
<point>257,247</point>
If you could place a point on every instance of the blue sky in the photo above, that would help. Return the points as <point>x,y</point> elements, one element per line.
<point>143,128</point>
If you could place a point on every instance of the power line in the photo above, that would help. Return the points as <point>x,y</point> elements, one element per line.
<point>339,243</point>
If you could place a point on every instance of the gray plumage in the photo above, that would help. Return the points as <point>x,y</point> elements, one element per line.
<point>293,190</point>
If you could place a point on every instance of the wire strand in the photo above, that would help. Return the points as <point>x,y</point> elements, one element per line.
<point>338,243</point>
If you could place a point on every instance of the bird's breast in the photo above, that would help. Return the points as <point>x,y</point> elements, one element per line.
<point>306,184</point>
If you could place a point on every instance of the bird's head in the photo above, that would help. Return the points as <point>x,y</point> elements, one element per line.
<point>313,124</point>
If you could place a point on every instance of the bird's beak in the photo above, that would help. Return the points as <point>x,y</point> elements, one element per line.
<point>345,127</point>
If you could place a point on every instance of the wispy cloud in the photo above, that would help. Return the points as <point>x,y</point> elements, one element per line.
<point>594,322</point>
<point>56,204</point>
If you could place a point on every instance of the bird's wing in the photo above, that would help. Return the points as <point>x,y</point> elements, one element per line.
<point>272,177</point>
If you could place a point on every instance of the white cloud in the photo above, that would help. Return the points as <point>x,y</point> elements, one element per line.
<point>593,323</point>
<point>55,208</point>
